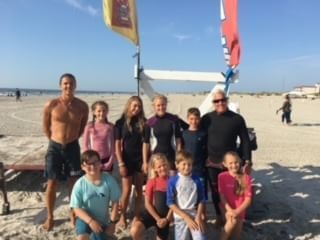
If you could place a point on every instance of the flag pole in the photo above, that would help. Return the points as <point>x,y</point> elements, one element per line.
<point>138,70</point>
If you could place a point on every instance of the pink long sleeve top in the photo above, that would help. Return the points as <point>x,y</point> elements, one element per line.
<point>100,137</point>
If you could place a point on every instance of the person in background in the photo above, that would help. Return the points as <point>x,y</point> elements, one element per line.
<point>64,120</point>
<point>90,199</point>
<point>286,110</point>
<point>18,95</point>
<point>99,135</point>
<point>235,193</point>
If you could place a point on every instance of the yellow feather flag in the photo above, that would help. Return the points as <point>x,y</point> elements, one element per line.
<point>121,17</point>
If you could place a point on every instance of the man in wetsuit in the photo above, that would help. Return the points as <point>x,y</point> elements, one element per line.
<point>223,127</point>
<point>64,119</point>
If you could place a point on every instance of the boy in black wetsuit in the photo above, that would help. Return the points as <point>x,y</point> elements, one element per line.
<point>195,142</point>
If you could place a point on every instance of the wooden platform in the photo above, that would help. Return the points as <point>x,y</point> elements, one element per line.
<point>31,162</point>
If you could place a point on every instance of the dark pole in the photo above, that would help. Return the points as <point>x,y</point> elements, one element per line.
<point>138,70</point>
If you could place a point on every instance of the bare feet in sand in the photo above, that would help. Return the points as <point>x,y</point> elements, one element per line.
<point>48,224</point>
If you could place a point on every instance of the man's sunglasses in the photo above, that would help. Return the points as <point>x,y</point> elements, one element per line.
<point>222,100</point>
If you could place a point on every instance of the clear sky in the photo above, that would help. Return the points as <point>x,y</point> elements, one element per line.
<point>41,39</point>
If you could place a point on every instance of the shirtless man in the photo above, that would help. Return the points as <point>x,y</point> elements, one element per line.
<point>64,120</point>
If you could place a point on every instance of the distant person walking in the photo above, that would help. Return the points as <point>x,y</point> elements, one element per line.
<point>286,110</point>
<point>64,120</point>
<point>18,95</point>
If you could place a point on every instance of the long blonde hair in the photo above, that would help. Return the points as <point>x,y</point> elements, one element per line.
<point>156,157</point>
<point>240,186</point>
<point>140,116</point>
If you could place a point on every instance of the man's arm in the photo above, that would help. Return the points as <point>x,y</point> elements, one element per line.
<point>244,141</point>
<point>46,120</point>
<point>84,118</point>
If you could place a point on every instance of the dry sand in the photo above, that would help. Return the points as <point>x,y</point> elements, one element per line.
<point>286,167</point>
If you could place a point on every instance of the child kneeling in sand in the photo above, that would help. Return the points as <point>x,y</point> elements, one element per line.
<point>157,213</point>
<point>235,192</point>
<point>90,199</point>
<point>187,200</point>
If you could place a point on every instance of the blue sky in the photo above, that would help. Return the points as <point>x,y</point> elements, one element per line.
<point>41,39</point>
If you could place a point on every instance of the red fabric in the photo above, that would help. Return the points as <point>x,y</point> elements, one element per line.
<point>226,187</point>
<point>230,30</point>
<point>156,184</point>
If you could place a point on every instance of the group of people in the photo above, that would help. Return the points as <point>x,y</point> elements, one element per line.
<point>179,160</point>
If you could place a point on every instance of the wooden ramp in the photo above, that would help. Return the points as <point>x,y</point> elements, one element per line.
<point>32,162</point>
<point>23,153</point>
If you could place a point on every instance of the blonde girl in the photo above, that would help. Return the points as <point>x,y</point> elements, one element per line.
<point>235,192</point>
<point>98,135</point>
<point>129,137</point>
<point>157,213</point>
<point>164,132</point>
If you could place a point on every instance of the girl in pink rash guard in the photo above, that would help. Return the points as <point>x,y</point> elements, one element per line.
<point>235,192</point>
<point>98,135</point>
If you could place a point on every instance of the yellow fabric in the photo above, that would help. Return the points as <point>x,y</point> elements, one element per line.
<point>121,17</point>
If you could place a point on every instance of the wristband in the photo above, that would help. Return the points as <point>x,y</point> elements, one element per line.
<point>121,164</point>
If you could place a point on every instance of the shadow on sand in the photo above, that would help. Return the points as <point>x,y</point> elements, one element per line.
<point>305,124</point>
<point>286,205</point>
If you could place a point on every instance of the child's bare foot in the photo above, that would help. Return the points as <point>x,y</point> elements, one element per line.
<point>48,224</point>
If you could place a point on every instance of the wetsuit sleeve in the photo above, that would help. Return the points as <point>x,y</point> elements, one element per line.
<point>244,141</point>
<point>177,129</point>
<point>204,123</point>
<point>146,134</point>
<point>118,130</point>
<point>171,191</point>
<point>149,190</point>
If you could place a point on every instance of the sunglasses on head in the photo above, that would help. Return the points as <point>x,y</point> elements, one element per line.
<point>222,100</point>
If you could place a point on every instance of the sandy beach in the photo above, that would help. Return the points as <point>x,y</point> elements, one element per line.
<point>286,167</point>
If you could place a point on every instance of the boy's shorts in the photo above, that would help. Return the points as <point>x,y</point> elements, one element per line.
<point>82,228</point>
<point>62,161</point>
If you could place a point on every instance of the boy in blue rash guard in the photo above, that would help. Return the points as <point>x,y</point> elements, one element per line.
<point>90,199</point>
<point>185,196</point>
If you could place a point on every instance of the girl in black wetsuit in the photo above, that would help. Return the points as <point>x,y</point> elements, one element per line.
<point>129,136</point>
<point>163,133</point>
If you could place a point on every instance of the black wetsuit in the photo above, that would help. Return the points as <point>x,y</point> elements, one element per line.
<point>131,144</point>
<point>223,130</point>
<point>162,132</point>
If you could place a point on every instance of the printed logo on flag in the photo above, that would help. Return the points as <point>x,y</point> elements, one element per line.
<point>121,14</point>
